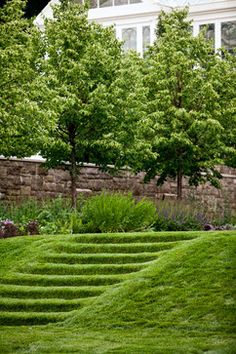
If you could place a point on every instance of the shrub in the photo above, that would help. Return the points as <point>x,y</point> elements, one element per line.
<point>75,223</point>
<point>21,213</point>
<point>32,228</point>
<point>116,212</point>
<point>51,216</point>
<point>8,229</point>
<point>179,216</point>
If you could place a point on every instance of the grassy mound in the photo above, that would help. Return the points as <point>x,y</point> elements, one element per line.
<point>190,287</point>
<point>118,293</point>
<point>70,271</point>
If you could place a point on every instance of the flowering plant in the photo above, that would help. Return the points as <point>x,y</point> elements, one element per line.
<point>8,229</point>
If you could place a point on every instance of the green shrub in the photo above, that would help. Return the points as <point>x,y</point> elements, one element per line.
<point>116,212</point>
<point>108,212</point>
<point>20,213</point>
<point>53,216</point>
<point>75,223</point>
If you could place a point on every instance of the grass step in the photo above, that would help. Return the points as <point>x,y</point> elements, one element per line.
<point>35,292</point>
<point>30,318</point>
<point>41,305</point>
<point>144,237</point>
<point>114,248</point>
<point>102,258</point>
<point>72,269</point>
<point>61,280</point>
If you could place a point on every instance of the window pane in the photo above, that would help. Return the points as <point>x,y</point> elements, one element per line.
<point>105,3</point>
<point>210,32</point>
<point>121,2</point>
<point>134,1</point>
<point>228,35</point>
<point>129,36</point>
<point>93,4</point>
<point>146,37</point>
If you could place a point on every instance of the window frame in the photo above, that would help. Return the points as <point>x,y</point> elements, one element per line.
<point>139,28</point>
<point>217,22</point>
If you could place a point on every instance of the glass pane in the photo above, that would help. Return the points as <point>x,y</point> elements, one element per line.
<point>210,32</point>
<point>121,2</point>
<point>146,37</point>
<point>228,35</point>
<point>105,3</point>
<point>134,1</point>
<point>93,4</point>
<point>129,36</point>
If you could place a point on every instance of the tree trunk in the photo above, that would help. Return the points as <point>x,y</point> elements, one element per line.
<point>179,184</point>
<point>73,165</point>
<point>73,178</point>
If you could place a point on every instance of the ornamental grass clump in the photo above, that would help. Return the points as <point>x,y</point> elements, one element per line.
<point>116,212</point>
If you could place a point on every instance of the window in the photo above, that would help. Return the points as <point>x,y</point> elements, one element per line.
<point>146,37</point>
<point>104,3</point>
<point>210,32</point>
<point>93,4</point>
<point>228,35</point>
<point>129,36</point>
<point>120,2</point>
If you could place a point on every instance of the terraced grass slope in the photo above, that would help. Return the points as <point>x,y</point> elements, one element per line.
<point>56,275</point>
<point>119,293</point>
<point>191,286</point>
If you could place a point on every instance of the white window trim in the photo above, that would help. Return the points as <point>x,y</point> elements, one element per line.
<point>217,23</point>
<point>139,28</point>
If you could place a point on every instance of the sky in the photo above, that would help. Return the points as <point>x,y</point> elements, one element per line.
<point>33,6</point>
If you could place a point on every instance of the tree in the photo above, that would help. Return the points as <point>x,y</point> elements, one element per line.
<point>183,124</point>
<point>24,118</point>
<point>85,70</point>
<point>225,84</point>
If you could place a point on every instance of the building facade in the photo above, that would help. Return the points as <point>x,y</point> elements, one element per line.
<point>135,20</point>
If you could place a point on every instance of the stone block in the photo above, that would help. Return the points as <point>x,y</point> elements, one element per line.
<point>50,187</point>
<point>3,172</point>
<point>25,190</point>
<point>12,181</point>
<point>49,178</point>
<point>89,171</point>
<point>26,180</point>
<point>61,175</point>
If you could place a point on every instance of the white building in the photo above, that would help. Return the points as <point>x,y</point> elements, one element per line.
<point>135,20</point>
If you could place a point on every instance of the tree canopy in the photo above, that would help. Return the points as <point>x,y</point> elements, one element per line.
<point>72,94</point>
<point>225,84</point>
<point>24,119</point>
<point>184,123</point>
<point>93,96</point>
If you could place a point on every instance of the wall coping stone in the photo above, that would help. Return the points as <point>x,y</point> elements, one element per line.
<point>40,159</point>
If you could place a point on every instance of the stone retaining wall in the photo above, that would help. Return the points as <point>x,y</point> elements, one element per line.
<point>20,179</point>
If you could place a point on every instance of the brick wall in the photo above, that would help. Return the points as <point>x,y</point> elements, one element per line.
<point>20,179</point>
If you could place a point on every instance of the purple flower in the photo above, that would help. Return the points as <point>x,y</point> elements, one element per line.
<point>7,222</point>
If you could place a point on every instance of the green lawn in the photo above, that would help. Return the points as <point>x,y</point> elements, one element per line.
<point>118,293</point>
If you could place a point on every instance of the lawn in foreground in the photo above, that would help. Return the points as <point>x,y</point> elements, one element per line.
<point>51,339</point>
<point>182,302</point>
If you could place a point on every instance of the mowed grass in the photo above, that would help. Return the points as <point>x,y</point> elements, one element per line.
<point>119,293</point>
